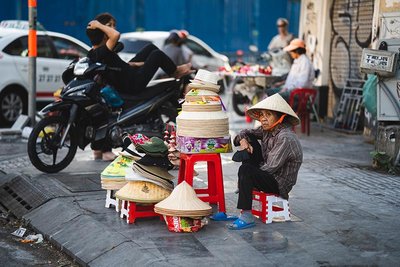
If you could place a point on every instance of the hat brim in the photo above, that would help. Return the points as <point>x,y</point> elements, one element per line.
<point>274,103</point>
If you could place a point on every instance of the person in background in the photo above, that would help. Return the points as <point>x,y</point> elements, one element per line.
<point>176,50</point>
<point>271,167</point>
<point>283,38</point>
<point>301,74</point>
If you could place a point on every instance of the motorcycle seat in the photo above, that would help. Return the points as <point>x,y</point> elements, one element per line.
<point>154,88</point>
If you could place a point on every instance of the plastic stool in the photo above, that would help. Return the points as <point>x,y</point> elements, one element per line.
<point>305,98</point>
<point>267,209</point>
<point>132,211</point>
<point>214,193</point>
<point>112,201</point>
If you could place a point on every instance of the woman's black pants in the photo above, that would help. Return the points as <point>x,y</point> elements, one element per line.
<point>252,177</point>
<point>153,59</point>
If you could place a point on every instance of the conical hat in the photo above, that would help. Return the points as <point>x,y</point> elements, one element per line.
<point>117,168</point>
<point>183,199</point>
<point>274,103</point>
<point>142,192</point>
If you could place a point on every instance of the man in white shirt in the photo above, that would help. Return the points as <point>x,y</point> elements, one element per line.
<point>301,74</point>
<point>282,39</point>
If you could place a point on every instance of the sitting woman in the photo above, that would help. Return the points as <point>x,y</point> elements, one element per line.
<point>131,77</point>
<point>301,74</point>
<point>271,167</point>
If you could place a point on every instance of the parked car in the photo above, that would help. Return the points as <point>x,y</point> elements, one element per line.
<point>54,53</point>
<point>203,55</point>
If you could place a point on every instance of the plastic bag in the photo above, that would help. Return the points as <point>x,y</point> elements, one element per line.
<point>111,97</point>
<point>369,94</point>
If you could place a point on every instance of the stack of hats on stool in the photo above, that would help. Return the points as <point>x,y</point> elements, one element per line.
<point>183,211</point>
<point>203,126</point>
<point>148,178</point>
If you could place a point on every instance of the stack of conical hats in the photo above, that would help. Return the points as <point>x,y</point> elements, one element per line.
<point>148,178</point>
<point>202,115</point>
<point>113,176</point>
<point>183,202</point>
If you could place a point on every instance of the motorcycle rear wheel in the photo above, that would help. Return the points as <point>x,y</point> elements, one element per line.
<point>44,148</point>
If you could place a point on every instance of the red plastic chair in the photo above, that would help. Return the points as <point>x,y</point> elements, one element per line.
<point>214,193</point>
<point>305,100</point>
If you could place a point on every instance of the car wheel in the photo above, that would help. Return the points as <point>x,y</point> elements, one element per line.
<point>12,104</point>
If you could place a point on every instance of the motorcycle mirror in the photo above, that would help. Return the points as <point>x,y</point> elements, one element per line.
<point>118,47</point>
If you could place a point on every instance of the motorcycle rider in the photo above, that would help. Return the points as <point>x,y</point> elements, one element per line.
<point>133,76</point>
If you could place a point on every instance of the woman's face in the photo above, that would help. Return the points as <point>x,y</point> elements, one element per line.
<point>268,118</point>
<point>293,54</point>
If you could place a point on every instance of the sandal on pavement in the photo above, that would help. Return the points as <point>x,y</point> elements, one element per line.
<point>221,216</point>
<point>239,224</point>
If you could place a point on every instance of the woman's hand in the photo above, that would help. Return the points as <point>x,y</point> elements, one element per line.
<point>245,145</point>
<point>94,24</point>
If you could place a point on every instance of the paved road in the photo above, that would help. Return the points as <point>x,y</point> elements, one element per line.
<point>343,214</point>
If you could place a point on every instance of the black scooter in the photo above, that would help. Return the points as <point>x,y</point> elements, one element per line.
<point>88,113</point>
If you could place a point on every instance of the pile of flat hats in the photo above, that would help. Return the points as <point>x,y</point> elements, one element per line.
<point>113,176</point>
<point>183,202</point>
<point>203,118</point>
<point>148,178</point>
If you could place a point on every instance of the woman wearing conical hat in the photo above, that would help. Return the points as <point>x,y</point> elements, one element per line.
<point>271,166</point>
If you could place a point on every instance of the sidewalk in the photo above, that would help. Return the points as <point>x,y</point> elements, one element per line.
<point>343,214</point>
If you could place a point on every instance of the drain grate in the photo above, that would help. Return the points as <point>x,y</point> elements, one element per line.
<point>19,196</point>
<point>81,182</point>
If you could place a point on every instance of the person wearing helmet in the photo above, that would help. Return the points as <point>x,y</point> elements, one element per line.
<point>175,49</point>
<point>271,166</point>
<point>301,74</point>
<point>283,37</point>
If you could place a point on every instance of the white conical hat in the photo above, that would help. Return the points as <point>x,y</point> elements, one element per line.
<point>183,199</point>
<point>274,103</point>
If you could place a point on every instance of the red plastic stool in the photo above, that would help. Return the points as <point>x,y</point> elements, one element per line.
<point>132,211</point>
<point>267,211</point>
<point>305,101</point>
<point>214,193</point>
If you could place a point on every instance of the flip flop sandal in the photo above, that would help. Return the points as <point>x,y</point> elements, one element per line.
<point>239,224</point>
<point>221,216</point>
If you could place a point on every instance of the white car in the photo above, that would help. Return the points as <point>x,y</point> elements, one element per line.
<point>203,56</point>
<point>54,50</point>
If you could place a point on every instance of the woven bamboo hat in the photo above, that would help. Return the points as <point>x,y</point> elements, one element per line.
<point>183,202</point>
<point>154,171</point>
<point>274,103</point>
<point>142,192</point>
<point>205,80</point>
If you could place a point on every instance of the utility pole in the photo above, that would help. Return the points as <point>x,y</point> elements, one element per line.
<point>32,53</point>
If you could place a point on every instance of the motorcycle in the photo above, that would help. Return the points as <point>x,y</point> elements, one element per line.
<point>249,91</point>
<point>89,112</point>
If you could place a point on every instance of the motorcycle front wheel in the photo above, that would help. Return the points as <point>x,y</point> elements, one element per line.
<point>45,150</point>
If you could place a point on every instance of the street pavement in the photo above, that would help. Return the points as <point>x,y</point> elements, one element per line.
<point>343,213</point>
